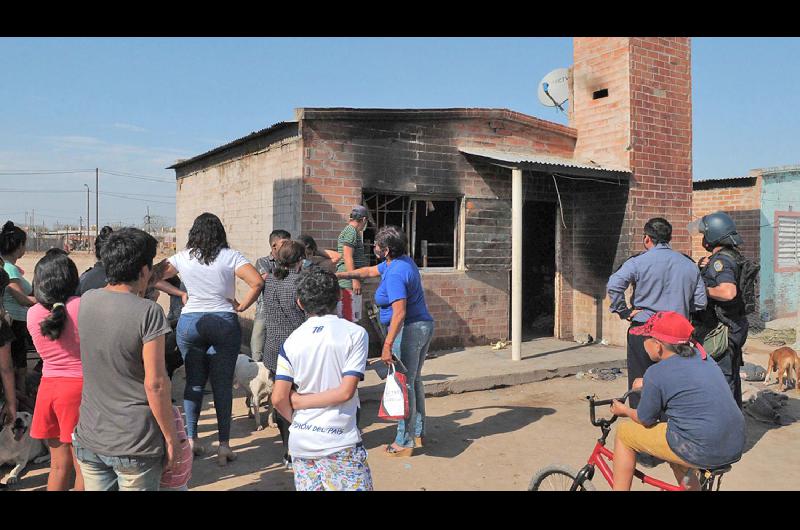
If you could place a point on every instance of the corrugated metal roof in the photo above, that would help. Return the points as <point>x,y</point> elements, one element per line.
<point>779,169</point>
<point>718,179</point>
<point>539,161</point>
<point>234,143</point>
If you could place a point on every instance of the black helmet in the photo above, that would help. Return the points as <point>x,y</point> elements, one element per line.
<point>718,229</point>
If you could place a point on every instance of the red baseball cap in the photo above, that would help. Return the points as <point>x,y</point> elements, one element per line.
<point>666,326</point>
<point>669,327</point>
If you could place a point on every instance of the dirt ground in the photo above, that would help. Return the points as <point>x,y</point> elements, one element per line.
<point>489,440</point>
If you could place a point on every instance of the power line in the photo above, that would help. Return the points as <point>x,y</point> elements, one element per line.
<point>43,171</point>
<point>121,196</point>
<point>148,178</point>
<point>17,190</point>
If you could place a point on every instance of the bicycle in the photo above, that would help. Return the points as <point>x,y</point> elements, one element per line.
<point>564,478</point>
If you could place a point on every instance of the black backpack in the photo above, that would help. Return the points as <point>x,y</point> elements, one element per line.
<point>746,279</point>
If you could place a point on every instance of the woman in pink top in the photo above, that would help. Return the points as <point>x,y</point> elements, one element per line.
<point>53,325</point>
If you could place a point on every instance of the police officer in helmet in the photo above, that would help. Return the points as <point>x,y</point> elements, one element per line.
<point>721,273</point>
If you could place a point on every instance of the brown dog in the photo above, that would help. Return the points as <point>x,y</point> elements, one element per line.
<point>783,360</point>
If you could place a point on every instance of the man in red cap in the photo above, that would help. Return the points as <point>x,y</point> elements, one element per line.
<point>704,427</point>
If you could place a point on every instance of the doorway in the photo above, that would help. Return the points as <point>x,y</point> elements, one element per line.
<point>538,269</point>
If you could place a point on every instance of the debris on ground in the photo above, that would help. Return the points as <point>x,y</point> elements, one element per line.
<point>765,405</point>
<point>776,337</point>
<point>753,372</point>
<point>600,374</point>
<point>500,344</point>
<point>584,338</point>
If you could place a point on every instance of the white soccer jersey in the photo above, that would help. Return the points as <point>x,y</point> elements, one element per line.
<point>316,357</point>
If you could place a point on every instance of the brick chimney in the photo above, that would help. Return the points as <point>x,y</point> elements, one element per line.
<point>632,107</point>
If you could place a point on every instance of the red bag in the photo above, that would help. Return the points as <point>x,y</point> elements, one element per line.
<point>394,405</point>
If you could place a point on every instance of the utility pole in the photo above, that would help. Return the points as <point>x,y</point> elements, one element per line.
<point>88,219</point>
<point>36,239</point>
<point>97,201</point>
<point>147,220</point>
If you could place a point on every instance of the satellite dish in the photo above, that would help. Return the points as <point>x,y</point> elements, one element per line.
<point>554,88</point>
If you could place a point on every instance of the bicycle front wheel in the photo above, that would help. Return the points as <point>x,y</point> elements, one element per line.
<point>557,477</point>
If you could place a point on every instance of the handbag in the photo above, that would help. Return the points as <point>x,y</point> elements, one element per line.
<point>394,404</point>
<point>179,478</point>
<point>716,342</point>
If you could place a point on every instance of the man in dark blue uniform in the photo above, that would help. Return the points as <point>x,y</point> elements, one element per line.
<point>721,272</point>
<point>663,280</point>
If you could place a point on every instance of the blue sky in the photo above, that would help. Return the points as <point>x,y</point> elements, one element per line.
<point>136,105</point>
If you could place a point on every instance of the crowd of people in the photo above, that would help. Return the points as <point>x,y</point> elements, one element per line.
<point>689,412</point>
<point>108,350</point>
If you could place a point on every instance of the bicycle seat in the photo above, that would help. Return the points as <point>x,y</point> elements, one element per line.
<point>715,471</point>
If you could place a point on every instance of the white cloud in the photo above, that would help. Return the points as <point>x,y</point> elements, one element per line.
<point>129,127</point>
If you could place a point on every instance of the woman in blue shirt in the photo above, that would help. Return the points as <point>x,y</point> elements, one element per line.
<point>404,313</point>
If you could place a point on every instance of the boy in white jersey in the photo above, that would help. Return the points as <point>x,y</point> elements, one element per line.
<point>319,367</point>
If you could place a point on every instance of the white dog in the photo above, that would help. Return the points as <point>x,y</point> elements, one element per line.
<point>254,377</point>
<point>17,446</point>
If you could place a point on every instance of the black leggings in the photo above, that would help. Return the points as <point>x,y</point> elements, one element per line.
<point>638,362</point>
<point>283,428</point>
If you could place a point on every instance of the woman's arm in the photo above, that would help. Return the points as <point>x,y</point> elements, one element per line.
<point>331,254</point>
<point>19,295</point>
<point>172,290</point>
<point>328,398</point>
<point>9,388</point>
<point>359,274</point>
<point>396,324</point>
<point>253,279</point>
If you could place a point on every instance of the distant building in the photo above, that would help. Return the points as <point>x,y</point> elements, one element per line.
<point>459,181</point>
<point>766,208</point>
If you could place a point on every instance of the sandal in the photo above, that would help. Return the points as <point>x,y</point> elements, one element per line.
<point>419,442</point>
<point>395,452</point>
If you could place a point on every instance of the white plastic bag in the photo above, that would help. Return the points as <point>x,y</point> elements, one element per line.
<point>394,405</point>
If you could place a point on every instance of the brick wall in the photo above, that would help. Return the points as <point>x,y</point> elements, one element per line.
<point>417,152</point>
<point>643,124</point>
<point>661,134</point>
<point>252,193</point>
<point>739,198</point>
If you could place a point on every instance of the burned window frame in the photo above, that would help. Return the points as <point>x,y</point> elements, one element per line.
<point>410,218</point>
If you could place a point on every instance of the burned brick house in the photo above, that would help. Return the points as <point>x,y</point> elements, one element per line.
<point>515,222</point>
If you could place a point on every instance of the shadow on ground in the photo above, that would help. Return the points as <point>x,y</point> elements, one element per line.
<point>449,436</point>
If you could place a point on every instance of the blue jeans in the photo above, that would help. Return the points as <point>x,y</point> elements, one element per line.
<point>411,347</point>
<point>123,473</point>
<point>209,344</point>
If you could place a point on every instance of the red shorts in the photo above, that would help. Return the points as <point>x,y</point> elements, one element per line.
<point>57,406</point>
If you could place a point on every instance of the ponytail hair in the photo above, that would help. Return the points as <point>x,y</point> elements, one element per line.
<point>289,255</point>
<point>684,350</point>
<point>11,238</point>
<point>55,280</point>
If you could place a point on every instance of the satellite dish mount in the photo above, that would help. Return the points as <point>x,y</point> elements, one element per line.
<point>554,89</point>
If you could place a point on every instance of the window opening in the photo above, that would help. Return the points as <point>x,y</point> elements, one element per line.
<point>430,224</point>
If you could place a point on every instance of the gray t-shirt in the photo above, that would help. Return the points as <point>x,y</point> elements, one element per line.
<point>115,417</point>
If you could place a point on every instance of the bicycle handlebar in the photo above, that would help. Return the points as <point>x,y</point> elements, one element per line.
<point>593,404</point>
